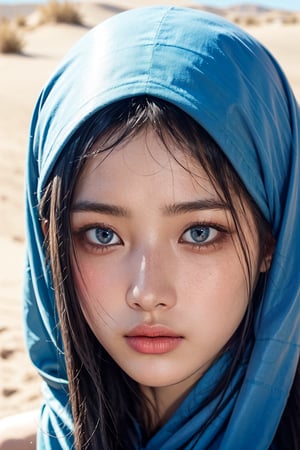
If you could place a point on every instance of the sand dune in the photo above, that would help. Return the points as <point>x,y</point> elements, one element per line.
<point>21,78</point>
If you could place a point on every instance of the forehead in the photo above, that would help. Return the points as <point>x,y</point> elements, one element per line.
<point>141,161</point>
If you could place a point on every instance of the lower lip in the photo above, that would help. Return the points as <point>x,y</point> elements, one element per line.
<point>153,345</point>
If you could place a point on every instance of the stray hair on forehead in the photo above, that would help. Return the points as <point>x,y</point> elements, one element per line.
<point>102,132</point>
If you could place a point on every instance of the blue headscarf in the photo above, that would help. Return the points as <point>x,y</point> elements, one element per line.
<point>234,88</point>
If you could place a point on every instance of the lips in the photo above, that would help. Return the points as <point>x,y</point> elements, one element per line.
<point>153,339</point>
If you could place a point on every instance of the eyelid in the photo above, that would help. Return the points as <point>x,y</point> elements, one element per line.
<point>223,232</point>
<point>95,240</point>
<point>82,231</point>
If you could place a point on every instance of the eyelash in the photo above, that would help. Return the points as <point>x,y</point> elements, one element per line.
<point>222,234</point>
<point>82,234</point>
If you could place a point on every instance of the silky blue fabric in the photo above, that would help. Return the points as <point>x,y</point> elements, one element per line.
<point>235,89</point>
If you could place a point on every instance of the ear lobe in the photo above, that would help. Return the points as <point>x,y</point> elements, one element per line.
<point>266,263</point>
<point>45,227</point>
<point>268,254</point>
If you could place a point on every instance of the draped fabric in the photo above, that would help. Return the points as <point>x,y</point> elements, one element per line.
<point>234,88</point>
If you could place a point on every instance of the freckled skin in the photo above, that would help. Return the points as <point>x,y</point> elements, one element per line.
<point>152,271</point>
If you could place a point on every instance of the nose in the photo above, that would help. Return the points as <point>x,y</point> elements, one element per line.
<point>152,284</point>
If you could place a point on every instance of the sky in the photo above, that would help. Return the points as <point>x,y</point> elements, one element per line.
<point>280,4</point>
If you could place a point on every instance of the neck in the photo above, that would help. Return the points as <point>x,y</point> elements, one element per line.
<point>166,399</point>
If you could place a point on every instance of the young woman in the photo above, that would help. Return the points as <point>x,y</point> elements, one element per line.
<point>162,284</point>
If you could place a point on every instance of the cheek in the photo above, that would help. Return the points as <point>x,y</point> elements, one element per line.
<point>217,278</point>
<point>217,295</point>
<point>97,291</point>
<point>91,280</point>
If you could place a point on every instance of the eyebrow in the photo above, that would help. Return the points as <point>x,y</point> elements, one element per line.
<point>169,210</point>
<point>101,208</point>
<point>197,205</point>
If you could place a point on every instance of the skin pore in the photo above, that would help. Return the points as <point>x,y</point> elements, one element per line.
<point>157,265</point>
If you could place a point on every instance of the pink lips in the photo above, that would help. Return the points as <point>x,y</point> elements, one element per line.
<point>152,339</point>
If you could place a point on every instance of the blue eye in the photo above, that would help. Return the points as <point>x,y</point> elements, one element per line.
<point>102,236</point>
<point>199,234</point>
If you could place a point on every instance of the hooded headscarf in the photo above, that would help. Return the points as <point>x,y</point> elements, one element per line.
<point>233,87</point>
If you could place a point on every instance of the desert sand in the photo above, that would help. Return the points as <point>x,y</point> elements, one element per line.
<point>21,78</point>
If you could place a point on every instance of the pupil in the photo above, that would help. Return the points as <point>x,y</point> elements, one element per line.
<point>104,236</point>
<point>200,234</point>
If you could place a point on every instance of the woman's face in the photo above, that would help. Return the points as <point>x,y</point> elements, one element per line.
<point>158,269</point>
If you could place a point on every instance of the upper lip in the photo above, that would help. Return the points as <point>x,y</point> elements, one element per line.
<point>151,331</point>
